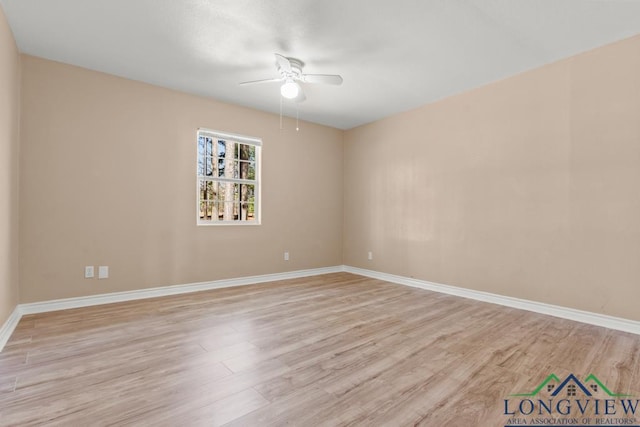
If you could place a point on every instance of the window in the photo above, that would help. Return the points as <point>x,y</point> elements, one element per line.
<point>228,178</point>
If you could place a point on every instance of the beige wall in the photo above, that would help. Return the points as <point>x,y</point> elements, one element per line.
<point>529,187</point>
<point>9,139</point>
<point>108,178</point>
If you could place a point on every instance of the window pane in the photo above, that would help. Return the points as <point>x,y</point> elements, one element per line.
<point>247,192</point>
<point>202,210</point>
<point>200,165</point>
<point>247,201</point>
<point>244,151</point>
<point>222,191</point>
<point>236,151</point>
<point>208,147</point>
<point>244,169</point>
<point>211,189</point>
<point>251,191</point>
<point>231,153</point>
<point>201,146</point>
<point>208,166</point>
<point>228,211</point>
<point>218,211</point>
<point>222,149</point>
<point>205,211</point>
<point>221,167</point>
<point>209,211</point>
<point>249,211</point>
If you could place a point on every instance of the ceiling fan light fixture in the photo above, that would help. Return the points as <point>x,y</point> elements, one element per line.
<point>290,89</point>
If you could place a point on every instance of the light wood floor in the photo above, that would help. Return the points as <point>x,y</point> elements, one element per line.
<point>332,350</point>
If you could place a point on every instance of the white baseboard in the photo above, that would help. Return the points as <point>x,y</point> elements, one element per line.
<point>610,322</point>
<point>68,303</point>
<point>162,291</point>
<point>9,326</point>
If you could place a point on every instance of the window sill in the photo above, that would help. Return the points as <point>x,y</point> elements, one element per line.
<point>226,223</point>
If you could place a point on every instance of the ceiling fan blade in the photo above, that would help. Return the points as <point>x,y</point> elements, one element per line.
<point>279,79</point>
<point>283,63</point>
<point>329,79</point>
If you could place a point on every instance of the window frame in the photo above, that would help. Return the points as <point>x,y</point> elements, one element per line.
<point>236,138</point>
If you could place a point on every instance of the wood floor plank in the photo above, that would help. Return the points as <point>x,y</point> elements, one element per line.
<point>311,406</point>
<point>338,349</point>
<point>224,410</point>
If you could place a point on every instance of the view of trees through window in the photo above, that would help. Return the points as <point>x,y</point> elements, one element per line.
<point>226,179</point>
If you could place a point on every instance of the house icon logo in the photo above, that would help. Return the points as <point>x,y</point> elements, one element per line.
<point>572,401</point>
<point>571,386</point>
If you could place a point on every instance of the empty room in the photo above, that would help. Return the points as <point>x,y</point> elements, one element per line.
<point>306,213</point>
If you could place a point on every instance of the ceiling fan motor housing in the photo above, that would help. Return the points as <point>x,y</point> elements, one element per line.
<point>296,69</point>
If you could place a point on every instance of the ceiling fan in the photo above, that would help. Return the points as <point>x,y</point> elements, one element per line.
<point>290,70</point>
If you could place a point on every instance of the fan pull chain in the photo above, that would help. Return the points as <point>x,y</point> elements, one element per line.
<point>297,115</point>
<point>280,112</point>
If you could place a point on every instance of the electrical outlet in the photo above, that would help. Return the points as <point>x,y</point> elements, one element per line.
<point>103,272</point>
<point>370,256</point>
<point>286,256</point>
<point>88,272</point>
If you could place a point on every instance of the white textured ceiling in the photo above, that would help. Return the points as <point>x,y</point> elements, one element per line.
<point>393,55</point>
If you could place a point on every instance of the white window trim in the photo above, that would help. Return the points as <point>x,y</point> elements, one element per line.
<point>243,139</point>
